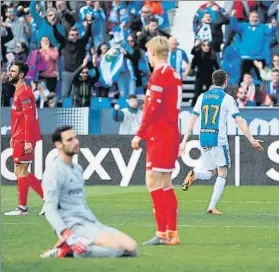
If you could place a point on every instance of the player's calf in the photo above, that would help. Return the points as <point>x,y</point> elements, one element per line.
<point>195,174</point>
<point>218,190</point>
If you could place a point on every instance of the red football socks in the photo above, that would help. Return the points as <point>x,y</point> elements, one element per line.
<point>35,184</point>
<point>159,209</point>
<point>171,200</point>
<point>23,185</point>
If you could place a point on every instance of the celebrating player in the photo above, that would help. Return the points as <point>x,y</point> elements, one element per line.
<point>25,134</point>
<point>213,108</point>
<point>159,128</point>
<point>79,231</point>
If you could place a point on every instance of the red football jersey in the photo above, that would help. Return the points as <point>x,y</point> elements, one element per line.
<point>25,123</point>
<point>162,105</point>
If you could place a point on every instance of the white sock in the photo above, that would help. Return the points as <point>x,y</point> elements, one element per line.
<point>203,174</point>
<point>217,191</point>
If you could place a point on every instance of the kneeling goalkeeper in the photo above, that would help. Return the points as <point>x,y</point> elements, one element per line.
<point>79,231</point>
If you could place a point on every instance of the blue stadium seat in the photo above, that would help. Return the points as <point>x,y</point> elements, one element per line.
<point>100,103</point>
<point>68,103</point>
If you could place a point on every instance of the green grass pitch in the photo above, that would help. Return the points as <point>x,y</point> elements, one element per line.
<point>245,238</point>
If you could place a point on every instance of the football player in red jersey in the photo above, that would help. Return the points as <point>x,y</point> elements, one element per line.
<point>25,134</point>
<point>159,128</point>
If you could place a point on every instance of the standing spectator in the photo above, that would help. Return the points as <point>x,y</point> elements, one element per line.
<point>88,9</point>
<point>209,7</point>
<point>64,15</point>
<point>101,89</point>
<point>99,25</point>
<point>8,89</point>
<point>135,59</point>
<point>253,91</point>
<point>205,63</point>
<point>74,54</point>
<point>99,21</point>
<point>272,87</point>
<point>152,30</point>
<point>177,58</point>
<point>129,117</point>
<point>252,33</point>
<point>45,25</point>
<point>138,22</point>
<point>50,56</point>
<point>243,9</point>
<point>6,36</point>
<point>83,84</point>
<point>126,80</point>
<point>157,10</point>
<point>18,27</point>
<point>212,31</point>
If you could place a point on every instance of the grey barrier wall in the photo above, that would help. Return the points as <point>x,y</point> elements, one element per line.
<point>110,160</point>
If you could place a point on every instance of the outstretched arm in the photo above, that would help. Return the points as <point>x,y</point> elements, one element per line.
<point>242,124</point>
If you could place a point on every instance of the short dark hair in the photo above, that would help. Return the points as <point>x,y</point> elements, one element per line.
<point>248,73</point>
<point>22,66</point>
<point>132,96</point>
<point>56,135</point>
<point>153,19</point>
<point>219,78</point>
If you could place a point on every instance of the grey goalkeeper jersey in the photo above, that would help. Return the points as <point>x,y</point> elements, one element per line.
<point>65,202</point>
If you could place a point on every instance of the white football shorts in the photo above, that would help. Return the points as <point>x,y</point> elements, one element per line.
<point>215,157</point>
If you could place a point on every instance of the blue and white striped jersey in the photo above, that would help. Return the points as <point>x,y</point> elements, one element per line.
<point>213,108</point>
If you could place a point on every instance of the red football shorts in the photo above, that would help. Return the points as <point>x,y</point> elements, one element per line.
<point>19,156</point>
<point>161,155</point>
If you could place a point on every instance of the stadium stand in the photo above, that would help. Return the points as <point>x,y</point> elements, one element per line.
<point>80,50</point>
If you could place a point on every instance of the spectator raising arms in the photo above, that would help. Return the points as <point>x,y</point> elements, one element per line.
<point>45,25</point>
<point>74,54</point>
<point>253,42</point>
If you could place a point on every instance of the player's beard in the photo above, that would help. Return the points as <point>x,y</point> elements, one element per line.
<point>14,80</point>
<point>70,153</point>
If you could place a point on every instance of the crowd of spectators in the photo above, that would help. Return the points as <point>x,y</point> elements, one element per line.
<point>80,52</point>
